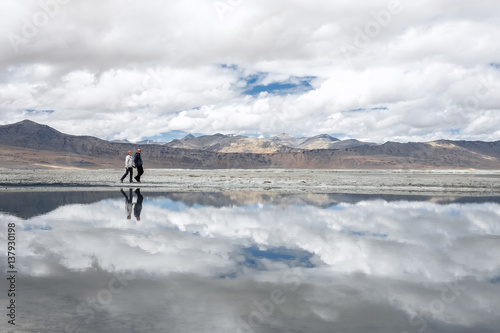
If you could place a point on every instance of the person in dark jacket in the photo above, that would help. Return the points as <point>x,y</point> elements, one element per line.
<point>138,165</point>
<point>138,205</point>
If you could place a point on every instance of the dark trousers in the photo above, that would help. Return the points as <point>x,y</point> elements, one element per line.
<point>140,171</point>
<point>129,170</point>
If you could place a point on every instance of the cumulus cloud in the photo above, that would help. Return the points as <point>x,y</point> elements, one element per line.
<point>114,69</point>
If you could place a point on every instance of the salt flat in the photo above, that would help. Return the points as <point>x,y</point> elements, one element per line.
<point>424,182</point>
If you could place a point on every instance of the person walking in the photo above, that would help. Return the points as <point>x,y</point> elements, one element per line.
<point>138,165</point>
<point>128,167</point>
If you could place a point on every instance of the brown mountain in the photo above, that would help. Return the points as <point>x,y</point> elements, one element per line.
<point>317,142</point>
<point>28,144</point>
<point>277,144</point>
<point>228,144</point>
<point>322,141</point>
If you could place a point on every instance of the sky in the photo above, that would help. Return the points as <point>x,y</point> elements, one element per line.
<point>378,70</point>
<point>399,266</point>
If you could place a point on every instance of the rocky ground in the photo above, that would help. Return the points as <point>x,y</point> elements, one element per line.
<point>436,182</point>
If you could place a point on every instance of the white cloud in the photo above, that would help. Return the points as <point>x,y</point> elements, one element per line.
<point>110,68</point>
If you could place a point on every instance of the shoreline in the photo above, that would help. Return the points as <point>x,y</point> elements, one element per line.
<point>399,182</point>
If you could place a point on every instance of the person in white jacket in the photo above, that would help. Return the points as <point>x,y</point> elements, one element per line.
<point>129,166</point>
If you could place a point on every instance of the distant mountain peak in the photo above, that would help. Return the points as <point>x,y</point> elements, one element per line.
<point>121,141</point>
<point>188,137</point>
<point>325,137</point>
<point>27,121</point>
<point>283,136</point>
<point>29,126</point>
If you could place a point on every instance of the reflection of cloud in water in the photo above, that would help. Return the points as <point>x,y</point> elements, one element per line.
<point>367,264</point>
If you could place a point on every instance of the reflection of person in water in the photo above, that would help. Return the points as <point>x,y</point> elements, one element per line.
<point>138,204</point>
<point>128,203</point>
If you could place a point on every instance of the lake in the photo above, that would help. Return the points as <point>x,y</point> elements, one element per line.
<point>138,261</point>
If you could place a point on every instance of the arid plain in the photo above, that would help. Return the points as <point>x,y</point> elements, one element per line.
<point>415,182</point>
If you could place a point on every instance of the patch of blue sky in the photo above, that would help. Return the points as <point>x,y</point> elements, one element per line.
<point>231,66</point>
<point>454,131</point>
<point>290,87</point>
<point>495,65</point>
<point>356,233</point>
<point>33,111</point>
<point>338,135</point>
<point>272,254</point>
<point>294,257</point>
<point>169,136</point>
<point>252,79</point>
<point>36,227</point>
<point>495,280</point>
<point>254,82</point>
<point>365,234</point>
<point>453,213</point>
<point>337,207</point>
<point>229,276</point>
<point>380,108</point>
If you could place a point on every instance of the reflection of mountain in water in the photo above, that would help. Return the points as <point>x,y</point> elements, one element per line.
<point>28,204</point>
<point>307,199</point>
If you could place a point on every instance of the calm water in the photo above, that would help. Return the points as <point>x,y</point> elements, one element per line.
<point>251,262</point>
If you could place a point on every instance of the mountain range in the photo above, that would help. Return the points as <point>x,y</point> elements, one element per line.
<point>281,143</point>
<point>29,144</point>
<point>14,203</point>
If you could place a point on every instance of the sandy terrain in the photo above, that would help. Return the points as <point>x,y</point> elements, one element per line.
<point>455,183</point>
